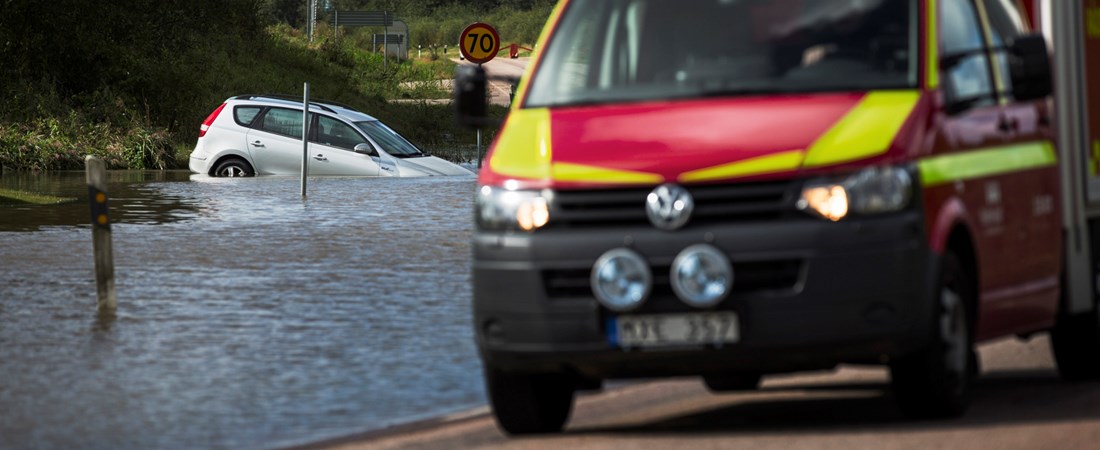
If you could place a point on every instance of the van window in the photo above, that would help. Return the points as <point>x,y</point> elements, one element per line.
<point>964,60</point>
<point>1004,21</point>
<point>960,31</point>
<point>636,50</point>
<point>1005,25</point>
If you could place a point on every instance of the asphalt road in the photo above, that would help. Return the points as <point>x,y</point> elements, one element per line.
<point>1019,403</point>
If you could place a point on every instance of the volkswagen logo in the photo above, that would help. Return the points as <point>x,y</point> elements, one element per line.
<point>669,206</point>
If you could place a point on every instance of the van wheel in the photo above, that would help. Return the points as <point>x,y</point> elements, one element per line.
<point>530,403</point>
<point>733,382</point>
<point>233,167</point>
<point>1076,344</point>
<point>934,382</point>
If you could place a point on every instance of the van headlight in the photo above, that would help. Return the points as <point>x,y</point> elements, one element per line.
<point>875,190</point>
<point>505,209</point>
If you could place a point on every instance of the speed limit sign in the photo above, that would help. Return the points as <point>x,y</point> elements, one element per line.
<point>479,43</point>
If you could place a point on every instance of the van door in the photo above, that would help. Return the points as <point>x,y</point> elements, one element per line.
<point>1030,195</point>
<point>971,129</point>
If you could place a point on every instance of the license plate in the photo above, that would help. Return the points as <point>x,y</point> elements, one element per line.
<point>663,330</point>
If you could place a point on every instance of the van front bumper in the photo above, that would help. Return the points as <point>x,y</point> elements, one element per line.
<point>819,294</point>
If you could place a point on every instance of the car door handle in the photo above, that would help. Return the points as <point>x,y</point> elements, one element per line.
<point>320,158</point>
<point>257,144</point>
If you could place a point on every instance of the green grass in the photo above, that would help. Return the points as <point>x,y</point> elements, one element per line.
<point>13,197</point>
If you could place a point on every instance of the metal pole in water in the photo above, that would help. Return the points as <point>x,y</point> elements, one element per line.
<point>96,172</point>
<point>305,138</point>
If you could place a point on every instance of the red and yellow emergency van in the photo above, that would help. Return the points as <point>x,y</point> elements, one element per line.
<point>734,188</point>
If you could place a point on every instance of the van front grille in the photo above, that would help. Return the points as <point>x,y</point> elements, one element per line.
<point>726,203</point>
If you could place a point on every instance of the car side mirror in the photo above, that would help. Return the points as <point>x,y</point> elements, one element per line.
<point>365,149</point>
<point>470,88</point>
<point>1029,64</point>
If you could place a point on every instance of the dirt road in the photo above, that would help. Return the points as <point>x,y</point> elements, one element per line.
<point>1019,403</point>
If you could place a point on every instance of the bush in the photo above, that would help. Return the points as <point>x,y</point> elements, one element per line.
<point>52,143</point>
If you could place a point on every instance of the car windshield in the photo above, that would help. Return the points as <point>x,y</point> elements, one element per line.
<point>389,140</point>
<point>637,50</point>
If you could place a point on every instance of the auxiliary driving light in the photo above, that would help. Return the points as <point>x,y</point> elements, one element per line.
<point>621,280</point>
<point>701,276</point>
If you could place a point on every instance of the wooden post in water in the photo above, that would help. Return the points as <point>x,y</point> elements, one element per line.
<point>101,235</point>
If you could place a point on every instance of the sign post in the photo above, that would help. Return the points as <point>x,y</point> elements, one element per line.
<point>479,43</point>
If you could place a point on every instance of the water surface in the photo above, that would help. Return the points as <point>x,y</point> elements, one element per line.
<point>248,318</point>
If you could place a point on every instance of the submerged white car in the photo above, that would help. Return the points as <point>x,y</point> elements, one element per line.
<point>262,135</point>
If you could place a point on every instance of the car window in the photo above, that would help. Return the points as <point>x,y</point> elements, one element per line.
<point>246,114</point>
<point>335,133</point>
<point>1005,25</point>
<point>389,140</point>
<point>965,62</point>
<point>286,122</point>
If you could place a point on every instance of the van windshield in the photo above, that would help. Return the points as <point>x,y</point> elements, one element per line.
<point>638,50</point>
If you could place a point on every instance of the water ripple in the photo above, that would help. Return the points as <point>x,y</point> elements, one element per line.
<point>248,317</point>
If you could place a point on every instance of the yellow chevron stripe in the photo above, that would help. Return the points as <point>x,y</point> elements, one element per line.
<point>523,148</point>
<point>866,131</point>
<point>580,172</point>
<point>778,162</point>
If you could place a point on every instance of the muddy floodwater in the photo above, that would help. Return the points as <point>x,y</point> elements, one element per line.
<point>248,318</point>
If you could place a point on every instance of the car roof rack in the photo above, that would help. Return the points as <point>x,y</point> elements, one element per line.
<point>320,102</point>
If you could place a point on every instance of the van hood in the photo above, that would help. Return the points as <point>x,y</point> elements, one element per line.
<point>696,141</point>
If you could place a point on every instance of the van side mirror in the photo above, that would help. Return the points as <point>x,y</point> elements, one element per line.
<point>470,88</point>
<point>1029,63</point>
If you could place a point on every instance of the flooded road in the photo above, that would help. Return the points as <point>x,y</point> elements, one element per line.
<point>248,318</point>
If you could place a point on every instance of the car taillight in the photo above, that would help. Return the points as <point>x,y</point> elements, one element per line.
<point>209,120</point>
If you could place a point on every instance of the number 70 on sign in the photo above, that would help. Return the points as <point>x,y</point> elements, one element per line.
<point>479,43</point>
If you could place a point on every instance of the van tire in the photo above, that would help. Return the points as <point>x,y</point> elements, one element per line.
<point>530,403</point>
<point>934,382</point>
<point>233,167</point>
<point>1075,341</point>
